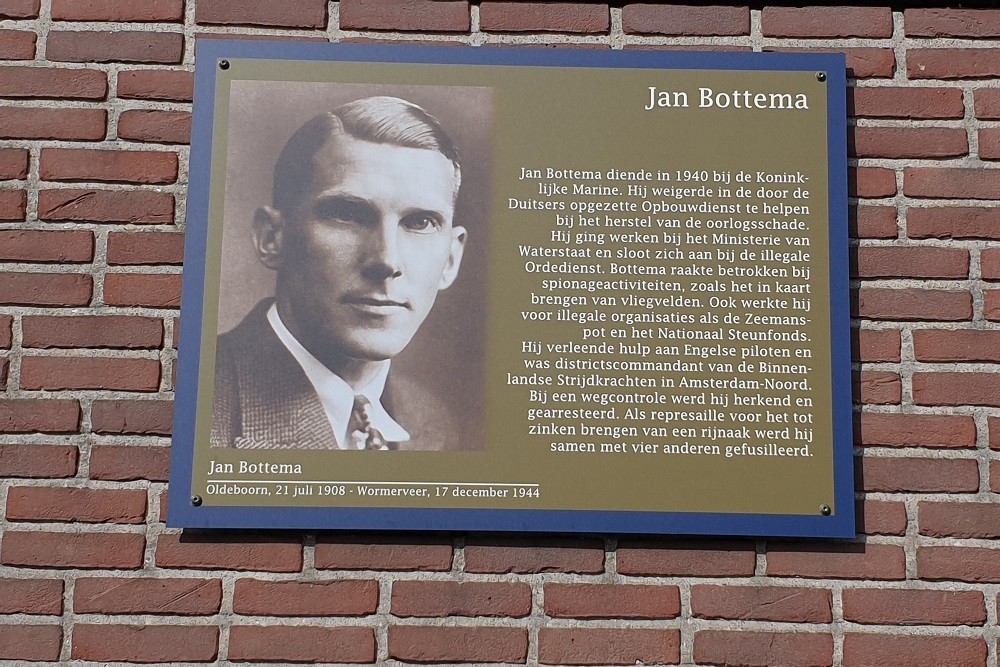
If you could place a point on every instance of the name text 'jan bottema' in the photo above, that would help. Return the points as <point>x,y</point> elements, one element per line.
<point>736,99</point>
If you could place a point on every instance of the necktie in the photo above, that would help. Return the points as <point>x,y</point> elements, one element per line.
<point>366,435</point>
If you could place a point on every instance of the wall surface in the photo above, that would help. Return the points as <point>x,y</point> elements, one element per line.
<point>94,122</point>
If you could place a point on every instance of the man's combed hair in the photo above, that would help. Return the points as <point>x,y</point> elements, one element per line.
<point>382,120</point>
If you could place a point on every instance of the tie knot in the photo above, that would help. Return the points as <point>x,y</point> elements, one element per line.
<point>372,438</point>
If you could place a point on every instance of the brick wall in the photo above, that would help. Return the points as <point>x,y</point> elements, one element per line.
<point>94,122</point>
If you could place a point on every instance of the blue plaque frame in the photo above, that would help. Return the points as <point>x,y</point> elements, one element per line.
<point>185,513</point>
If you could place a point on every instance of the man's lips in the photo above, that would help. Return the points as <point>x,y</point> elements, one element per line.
<point>374,303</point>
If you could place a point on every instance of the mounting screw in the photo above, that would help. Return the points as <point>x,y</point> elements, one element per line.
<point>196,501</point>
<point>820,76</point>
<point>825,510</point>
<point>224,64</point>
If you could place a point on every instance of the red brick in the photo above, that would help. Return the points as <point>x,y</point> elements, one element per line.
<point>229,552</point>
<point>878,387</point>
<point>912,262</point>
<point>415,15</point>
<point>952,63</point>
<point>989,143</point>
<point>904,430</point>
<point>873,345</point>
<point>17,44</point>
<point>956,389</point>
<point>390,552</point>
<point>987,103</point>
<point>38,461</point>
<point>19,9</point>
<point>140,289</point>
<point>974,520</point>
<point>112,206</point>
<point>763,649</point>
<point>919,475</point>
<point>57,373</point>
<point>30,642</point>
<point>36,503</point>
<point>409,643</point>
<point>104,551</point>
<point>995,476</point>
<point>120,595</point>
<point>13,163</point>
<point>29,415</point>
<point>872,22</point>
<point>950,222</point>
<point>51,82</point>
<point>590,601</point>
<point>97,331</point>
<point>900,102</point>
<point>64,246</point>
<point>133,417</point>
<point>6,334</point>
<point>685,20</point>
<point>252,643</point>
<point>145,248</point>
<point>253,597</point>
<point>686,558</point>
<point>605,646</point>
<point>913,607</point>
<point>989,263</point>
<point>145,643</point>
<point>881,517</point>
<point>871,182</point>
<point>288,14</point>
<point>31,596</point>
<point>862,62</point>
<point>155,84</point>
<point>72,164</point>
<point>164,127</point>
<point>960,345</point>
<point>991,305</point>
<point>68,124</point>
<point>532,555</point>
<point>970,564</point>
<point>913,651</point>
<point>951,182</point>
<point>914,304</point>
<point>13,204</point>
<point>872,222</point>
<point>148,11</point>
<point>762,603</point>
<point>4,369</point>
<point>126,463</point>
<point>45,289</point>
<point>907,142</point>
<point>836,561</point>
<point>496,16</point>
<point>441,599</point>
<point>951,22</point>
<point>123,46</point>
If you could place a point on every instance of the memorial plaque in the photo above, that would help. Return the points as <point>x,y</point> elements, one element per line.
<point>498,289</point>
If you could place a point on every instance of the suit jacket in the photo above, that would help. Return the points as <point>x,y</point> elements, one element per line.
<point>264,400</point>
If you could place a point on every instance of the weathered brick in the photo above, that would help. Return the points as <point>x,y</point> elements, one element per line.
<point>762,603</point>
<point>414,15</point>
<point>836,561</point>
<point>38,461</point>
<point>97,331</point>
<point>441,599</point>
<point>888,606</point>
<point>863,62</point>
<point>685,20</point>
<point>871,182</point>
<point>13,204</point>
<point>987,103</point>
<point>289,14</point>
<point>763,649</point>
<point>13,163</point>
<point>871,22</point>
<point>409,643</point>
<point>229,552</point>
<point>38,123</point>
<point>17,44</point>
<point>141,207</point>
<point>145,643</point>
<point>876,303</point>
<point>912,262</point>
<point>881,517</point>
<point>143,289</point>
<point>991,305</point>
<point>873,345</point>
<point>38,503</point>
<point>64,246</point>
<point>872,222</point>
<point>686,558</point>
<point>497,16</point>
<point>20,9</point>
<point>145,248</point>
<point>42,597</point>
<point>877,387</point>
<point>56,373</point>
<point>254,643</point>
<point>989,143</point>
<point>989,263</point>
<point>952,63</point>
<point>970,564</point>
<point>155,84</point>
<point>253,597</point>
<point>109,166</point>
<point>923,430</point>
<point>125,463</point>
<point>591,601</point>
<point>958,222</point>
<point>104,551</point>
<point>919,475</point>
<point>163,127</point>
<point>951,182</point>
<point>973,520</point>
<point>30,642</point>
<point>531,555</point>
<point>995,476</point>
<point>907,142</point>
<point>45,289</point>
<point>956,389</point>
<point>121,595</point>
<point>943,345</point>
<point>913,650</point>
<point>902,102</point>
<point>30,415</point>
<point>383,552</point>
<point>52,82</point>
<point>607,646</point>
<point>951,22</point>
<point>6,332</point>
<point>119,46</point>
<point>132,417</point>
<point>148,11</point>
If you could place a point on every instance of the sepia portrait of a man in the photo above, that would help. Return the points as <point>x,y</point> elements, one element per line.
<point>362,236</point>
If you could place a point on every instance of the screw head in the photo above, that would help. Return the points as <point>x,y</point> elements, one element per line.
<point>196,501</point>
<point>825,510</point>
<point>820,76</point>
<point>223,64</point>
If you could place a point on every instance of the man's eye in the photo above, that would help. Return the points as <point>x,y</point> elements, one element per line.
<point>422,223</point>
<point>340,210</point>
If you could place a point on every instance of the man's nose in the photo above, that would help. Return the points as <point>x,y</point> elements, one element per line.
<point>384,259</point>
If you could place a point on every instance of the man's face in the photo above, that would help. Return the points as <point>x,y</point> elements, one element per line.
<point>363,257</point>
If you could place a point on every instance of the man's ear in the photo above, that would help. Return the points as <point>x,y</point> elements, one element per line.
<point>268,236</point>
<point>458,236</point>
